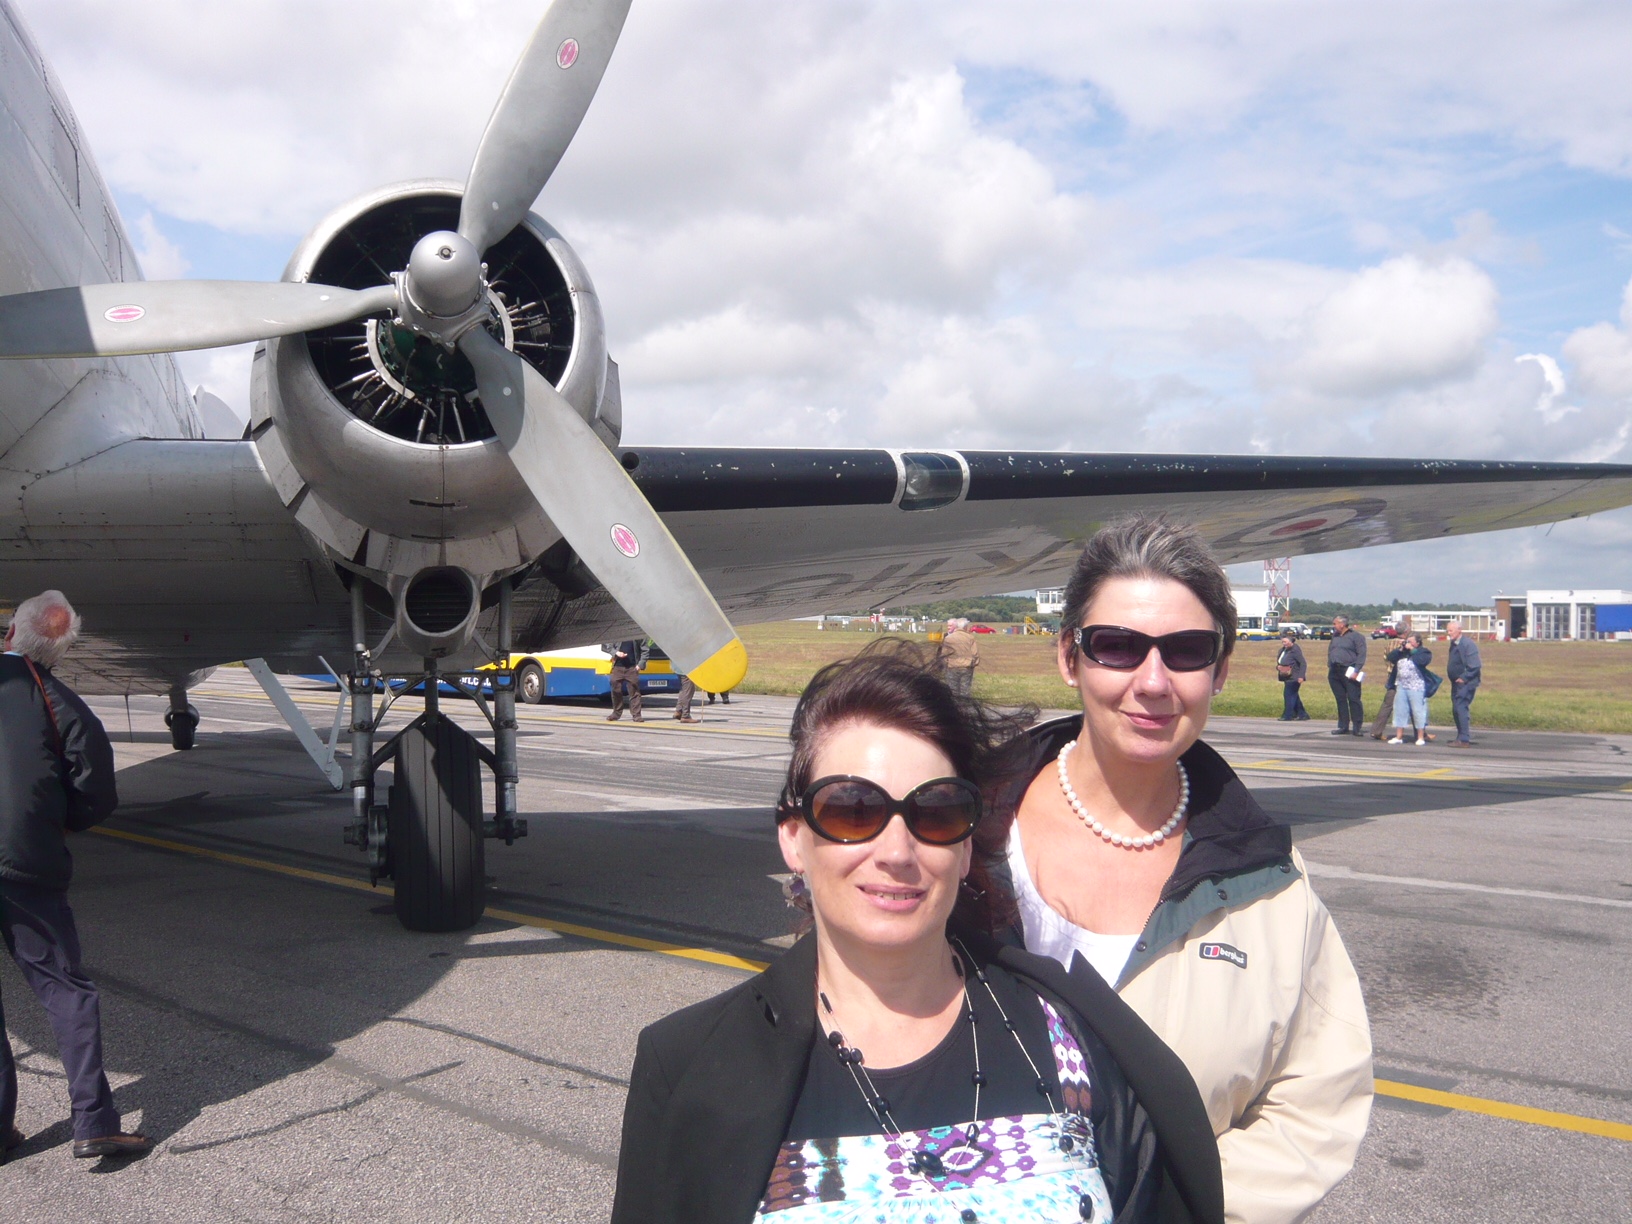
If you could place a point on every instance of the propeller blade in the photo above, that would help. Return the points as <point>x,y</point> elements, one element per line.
<point>537,115</point>
<point>170,316</point>
<point>604,516</point>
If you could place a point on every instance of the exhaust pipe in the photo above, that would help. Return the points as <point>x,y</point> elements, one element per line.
<point>437,610</point>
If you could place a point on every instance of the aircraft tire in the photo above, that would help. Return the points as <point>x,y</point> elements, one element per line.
<point>434,828</point>
<point>531,686</point>
<point>183,725</point>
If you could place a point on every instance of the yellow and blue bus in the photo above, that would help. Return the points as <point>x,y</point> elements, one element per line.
<point>582,671</point>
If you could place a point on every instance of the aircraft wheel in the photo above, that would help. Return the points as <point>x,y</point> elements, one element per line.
<point>531,685</point>
<point>183,724</point>
<point>434,828</point>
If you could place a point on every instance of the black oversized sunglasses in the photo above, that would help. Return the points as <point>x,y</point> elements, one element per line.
<point>1124,649</point>
<point>842,808</point>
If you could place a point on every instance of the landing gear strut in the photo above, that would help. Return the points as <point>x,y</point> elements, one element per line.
<point>182,719</point>
<point>430,836</point>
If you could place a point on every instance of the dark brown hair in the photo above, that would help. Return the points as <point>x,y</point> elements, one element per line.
<point>897,684</point>
<point>1145,546</point>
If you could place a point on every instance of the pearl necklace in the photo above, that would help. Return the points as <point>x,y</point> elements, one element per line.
<point>1117,839</point>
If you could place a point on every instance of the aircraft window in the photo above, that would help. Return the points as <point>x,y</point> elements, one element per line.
<point>110,244</point>
<point>932,480</point>
<point>65,157</point>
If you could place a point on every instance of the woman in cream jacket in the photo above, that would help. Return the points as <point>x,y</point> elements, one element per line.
<point>1135,847</point>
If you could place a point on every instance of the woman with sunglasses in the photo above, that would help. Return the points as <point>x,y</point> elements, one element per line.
<point>1137,849</point>
<point>898,1063</point>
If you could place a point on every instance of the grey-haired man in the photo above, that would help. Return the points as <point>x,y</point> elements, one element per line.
<point>56,776</point>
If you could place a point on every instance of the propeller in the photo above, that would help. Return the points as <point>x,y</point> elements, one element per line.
<point>604,515</point>
<point>126,318</point>
<point>443,294</point>
<point>538,114</point>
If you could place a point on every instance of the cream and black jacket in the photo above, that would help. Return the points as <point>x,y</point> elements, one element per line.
<point>1241,971</point>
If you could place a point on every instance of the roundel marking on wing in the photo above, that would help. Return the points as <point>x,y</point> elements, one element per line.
<point>127,313</point>
<point>567,55</point>
<point>625,541</point>
<point>1316,520</point>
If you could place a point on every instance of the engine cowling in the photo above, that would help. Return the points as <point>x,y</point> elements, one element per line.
<point>375,437</point>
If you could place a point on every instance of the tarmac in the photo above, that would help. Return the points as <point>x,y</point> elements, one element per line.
<point>301,1057</point>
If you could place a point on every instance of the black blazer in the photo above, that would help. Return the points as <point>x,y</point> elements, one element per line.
<point>714,1086</point>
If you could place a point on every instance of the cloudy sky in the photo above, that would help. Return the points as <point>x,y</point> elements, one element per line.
<point>1293,228</point>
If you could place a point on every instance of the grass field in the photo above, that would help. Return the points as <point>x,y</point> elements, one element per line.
<point>1547,686</point>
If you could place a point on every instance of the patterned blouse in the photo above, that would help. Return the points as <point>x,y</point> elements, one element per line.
<point>1025,1169</point>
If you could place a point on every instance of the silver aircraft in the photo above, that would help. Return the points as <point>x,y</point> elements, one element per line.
<point>434,474</point>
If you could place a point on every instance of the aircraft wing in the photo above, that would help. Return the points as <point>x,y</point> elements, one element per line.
<point>180,554</point>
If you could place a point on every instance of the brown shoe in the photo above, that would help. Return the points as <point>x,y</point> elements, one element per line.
<point>689,719</point>
<point>636,718</point>
<point>14,1139</point>
<point>1459,744</point>
<point>112,1145</point>
<point>613,717</point>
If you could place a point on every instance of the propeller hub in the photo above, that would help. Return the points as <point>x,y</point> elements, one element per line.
<point>445,274</point>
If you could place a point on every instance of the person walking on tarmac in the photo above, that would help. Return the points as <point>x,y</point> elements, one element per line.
<point>1292,670</point>
<point>625,679</point>
<point>1345,670</point>
<point>56,776</point>
<point>682,703</point>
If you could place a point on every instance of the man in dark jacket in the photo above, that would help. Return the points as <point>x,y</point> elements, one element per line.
<point>56,776</point>
<point>1463,669</point>
<point>1345,663</point>
<point>625,679</point>
<point>1292,669</point>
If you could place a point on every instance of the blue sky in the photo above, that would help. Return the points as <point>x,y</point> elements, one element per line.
<point>1294,228</point>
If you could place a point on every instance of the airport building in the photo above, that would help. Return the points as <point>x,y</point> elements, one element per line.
<point>1431,622</point>
<point>1251,605</point>
<point>1566,615</point>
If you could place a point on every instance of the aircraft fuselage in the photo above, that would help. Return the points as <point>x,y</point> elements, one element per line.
<point>59,227</point>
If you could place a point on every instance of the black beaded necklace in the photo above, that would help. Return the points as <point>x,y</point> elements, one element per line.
<point>1072,1130</point>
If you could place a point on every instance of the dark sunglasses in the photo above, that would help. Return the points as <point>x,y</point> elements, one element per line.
<point>940,812</point>
<point>1124,649</point>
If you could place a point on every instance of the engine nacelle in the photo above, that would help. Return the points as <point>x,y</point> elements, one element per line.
<point>376,439</point>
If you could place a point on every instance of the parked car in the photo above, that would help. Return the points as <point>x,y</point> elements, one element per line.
<point>1324,633</point>
<point>1385,631</point>
<point>1256,635</point>
<point>981,629</point>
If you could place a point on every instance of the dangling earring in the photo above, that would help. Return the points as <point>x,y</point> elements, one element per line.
<point>796,892</point>
<point>969,890</point>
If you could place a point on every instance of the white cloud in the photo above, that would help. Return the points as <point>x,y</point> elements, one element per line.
<point>1601,355</point>
<point>223,372</point>
<point>160,258</point>
<point>1405,322</point>
<point>1547,403</point>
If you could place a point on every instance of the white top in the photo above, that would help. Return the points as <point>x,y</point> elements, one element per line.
<point>1050,933</point>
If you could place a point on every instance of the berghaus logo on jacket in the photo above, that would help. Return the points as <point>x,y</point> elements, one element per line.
<point>1224,952</point>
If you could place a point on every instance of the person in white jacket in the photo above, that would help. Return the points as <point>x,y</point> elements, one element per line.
<point>1137,853</point>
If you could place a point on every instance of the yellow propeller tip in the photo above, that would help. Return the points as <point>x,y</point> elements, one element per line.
<point>723,670</point>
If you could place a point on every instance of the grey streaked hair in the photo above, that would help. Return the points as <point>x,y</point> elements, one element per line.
<point>1145,546</point>
<point>44,627</point>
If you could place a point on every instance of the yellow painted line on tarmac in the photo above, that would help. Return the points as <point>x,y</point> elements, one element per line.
<point>707,955</point>
<point>239,860</point>
<point>1443,774</point>
<point>1502,1109</point>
